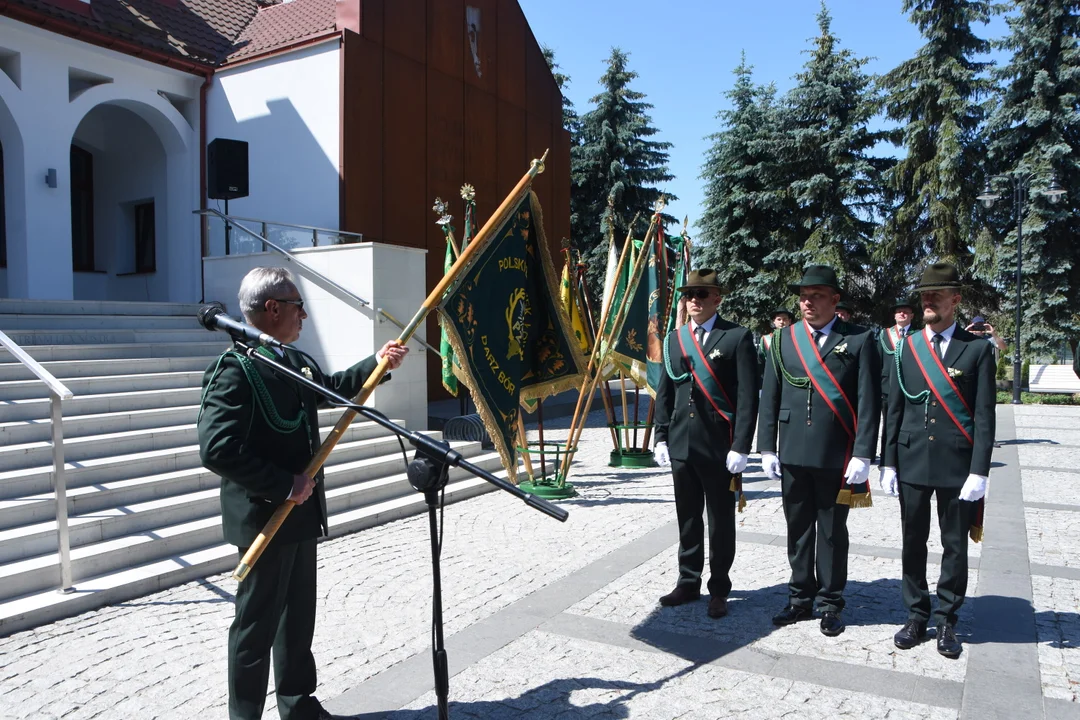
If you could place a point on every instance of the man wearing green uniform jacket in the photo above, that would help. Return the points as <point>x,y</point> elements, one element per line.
<point>705,409</point>
<point>903,312</point>
<point>258,431</point>
<point>817,432</point>
<point>941,434</point>
<point>781,318</point>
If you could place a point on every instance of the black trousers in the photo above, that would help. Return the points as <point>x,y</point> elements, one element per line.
<point>275,609</point>
<point>817,536</point>
<point>699,489</point>
<point>954,519</point>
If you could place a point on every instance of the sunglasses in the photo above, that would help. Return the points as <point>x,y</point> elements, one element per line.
<point>298,303</point>
<point>696,293</point>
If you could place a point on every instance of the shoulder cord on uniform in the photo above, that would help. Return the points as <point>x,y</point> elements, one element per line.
<point>884,345</point>
<point>802,383</point>
<point>923,397</point>
<point>262,395</point>
<point>667,363</point>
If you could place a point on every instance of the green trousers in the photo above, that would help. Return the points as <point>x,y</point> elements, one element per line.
<point>954,519</point>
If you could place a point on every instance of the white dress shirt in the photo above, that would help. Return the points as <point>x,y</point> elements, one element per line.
<point>946,337</point>
<point>824,331</point>
<point>708,325</point>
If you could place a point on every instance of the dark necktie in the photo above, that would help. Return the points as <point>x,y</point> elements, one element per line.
<point>903,332</point>
<point>699,331</point>
<point>937,345</point>
<point>817,337</point>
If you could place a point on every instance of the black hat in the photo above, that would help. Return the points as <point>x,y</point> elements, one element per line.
<point>903,303</point>
<point>843,306</point>
<point>783,311</point>
<point>701,278</point>
<point>940,276</point>
<point>816,275</point>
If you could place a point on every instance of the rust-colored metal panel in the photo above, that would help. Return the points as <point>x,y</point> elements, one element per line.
<point>511,53</point>
<point>512,152</point>
<point>485,44</point>
<point>446,36</point>
<point>481,151</point>
<point>558,167</point>
<point>404,169</point>
<point>405,28</point>
<point>362,138</point>
<point>371,20</point>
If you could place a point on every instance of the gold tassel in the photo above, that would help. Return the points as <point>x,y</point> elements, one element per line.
<point>736,487</point>
<point>976,533</point>
<point>742,501</point>
<point>861,500</point>
<point>733,487</point>
<point>844,497</point>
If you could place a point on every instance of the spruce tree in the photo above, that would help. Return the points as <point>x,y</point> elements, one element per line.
<point>744,206</point>
<point>616,159</point>
<point>1034,133</point>
<point>835,183</point>
<point>935,96</point>
<point>571,121</point>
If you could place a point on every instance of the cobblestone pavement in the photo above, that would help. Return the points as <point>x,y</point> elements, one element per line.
<point>560,620</point>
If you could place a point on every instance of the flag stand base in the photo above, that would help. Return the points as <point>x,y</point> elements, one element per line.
<point>626,456</point>
<point>550,486</point>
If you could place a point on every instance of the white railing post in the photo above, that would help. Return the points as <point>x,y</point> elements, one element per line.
<point>60,488</point>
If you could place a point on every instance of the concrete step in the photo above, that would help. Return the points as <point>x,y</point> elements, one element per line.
<point>125,543</point>
<point>28,491</point>
<point>69,369</point>
<point>103,336</point>
<point>10,323</point>
<point>211,345</point>
<point>116,402</point>
<point>142,504</point>
<point>45,606</point>
<point>15,306</point>
<point>102,384</point>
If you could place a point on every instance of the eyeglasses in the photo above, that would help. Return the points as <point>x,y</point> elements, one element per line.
<point>299,302</point>
<point>696,293</point>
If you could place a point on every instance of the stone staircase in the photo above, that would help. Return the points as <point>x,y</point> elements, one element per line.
<point>143,513</point>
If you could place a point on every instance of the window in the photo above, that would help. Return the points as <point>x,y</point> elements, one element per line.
<point>82,210</point>
<point>145,245</point>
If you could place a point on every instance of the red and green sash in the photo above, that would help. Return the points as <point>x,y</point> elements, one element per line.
<point>766,341</point>
<point>822,378</point>
<point>704,377</point>
<point>944,389</point>
<point>889,338</point>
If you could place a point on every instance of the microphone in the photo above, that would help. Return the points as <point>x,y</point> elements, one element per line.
<point>212,317</point>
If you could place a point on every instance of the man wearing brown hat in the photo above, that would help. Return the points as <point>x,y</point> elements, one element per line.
<point>941,433</point>
<point>817,433</point>
<point>706,405</point>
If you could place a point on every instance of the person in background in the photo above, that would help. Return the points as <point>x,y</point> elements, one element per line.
<point>843,311</point>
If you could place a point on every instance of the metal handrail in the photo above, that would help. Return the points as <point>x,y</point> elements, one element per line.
<point>314,275</point>
<point>264,223</point>
<point>58,392</point>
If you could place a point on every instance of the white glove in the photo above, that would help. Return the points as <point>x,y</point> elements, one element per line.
<point>736,462</point>
<point>770,463</point>
<point>660,454</point>
<point>888,480</point>
<point>858,470</point>
<point>974,488</point>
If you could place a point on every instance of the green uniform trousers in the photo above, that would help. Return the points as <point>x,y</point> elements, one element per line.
<point>697,490</point>
<point>817,537</point>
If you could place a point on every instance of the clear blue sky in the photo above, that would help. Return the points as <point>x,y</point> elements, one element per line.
<point>684,52</point>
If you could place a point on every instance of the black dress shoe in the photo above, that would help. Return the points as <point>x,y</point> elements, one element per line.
<point>717,607</point>
<point>791,615</point>
<point>947,642</point>
<point>913,633</point>
<point>831,623</point>
<point>681,594</point>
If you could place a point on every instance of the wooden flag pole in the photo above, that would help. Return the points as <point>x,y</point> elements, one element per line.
<point>589,387</point>
<point>432,300</point>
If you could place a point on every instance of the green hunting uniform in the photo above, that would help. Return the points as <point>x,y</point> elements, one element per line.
<point>699,439</point>
<point>933,457</point>
<point>257,442</point>
<point>887,339</point>
<point>813,447</point>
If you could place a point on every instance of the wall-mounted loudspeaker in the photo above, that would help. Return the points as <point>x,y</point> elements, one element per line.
<point>226,169</point>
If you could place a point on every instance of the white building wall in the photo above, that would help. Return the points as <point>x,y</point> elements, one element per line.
<point>287,108</point>
<point>38,119</point>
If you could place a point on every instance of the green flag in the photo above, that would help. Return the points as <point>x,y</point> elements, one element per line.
<point>449,380</point>
<point>628,350</point>
<point>511,338</point>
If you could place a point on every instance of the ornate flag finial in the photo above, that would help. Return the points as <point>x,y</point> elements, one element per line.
<point>468,192</point>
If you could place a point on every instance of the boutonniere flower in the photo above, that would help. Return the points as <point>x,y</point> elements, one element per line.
<point>716,354</point>
<point>841,349</point>
<point>954,373</point>
<point>306,372</point>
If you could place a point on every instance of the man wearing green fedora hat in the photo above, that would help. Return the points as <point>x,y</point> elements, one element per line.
<point>843,311</point>
<point>817,432</point>
<point>941,424</point>
<point>706,405</point>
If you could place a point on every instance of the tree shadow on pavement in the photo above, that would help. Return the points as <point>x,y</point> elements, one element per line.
<point>553,699</point>
<point>1005,619</point>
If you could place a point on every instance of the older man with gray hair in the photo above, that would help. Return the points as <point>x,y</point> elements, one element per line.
<point>258,430</point>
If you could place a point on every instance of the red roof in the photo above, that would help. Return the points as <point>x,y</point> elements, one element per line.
<point>207,32</point>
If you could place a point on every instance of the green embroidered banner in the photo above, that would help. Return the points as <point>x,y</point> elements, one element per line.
<point>662,306</point>
<point>511,337</point>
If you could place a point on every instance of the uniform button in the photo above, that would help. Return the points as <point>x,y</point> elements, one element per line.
<point>931,438</point>
<point>809,422</point>
<point>933,420</point>
<point>691,414</point>
<point>934,403</point>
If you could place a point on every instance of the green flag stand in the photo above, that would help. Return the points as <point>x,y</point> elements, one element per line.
<point>625,455</point>
<point>550,485</point>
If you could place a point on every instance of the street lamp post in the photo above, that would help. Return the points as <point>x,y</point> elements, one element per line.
<point>1021,184</point>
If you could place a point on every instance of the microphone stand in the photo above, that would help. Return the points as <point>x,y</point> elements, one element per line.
<point>428,473</point>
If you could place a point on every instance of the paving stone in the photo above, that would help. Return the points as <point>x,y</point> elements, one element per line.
<point>1053,537</point>
<point>1057,623</point>
<point>1059,488</point>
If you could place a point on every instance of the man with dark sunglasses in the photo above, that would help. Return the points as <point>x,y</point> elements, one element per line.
<point>706,405</point>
